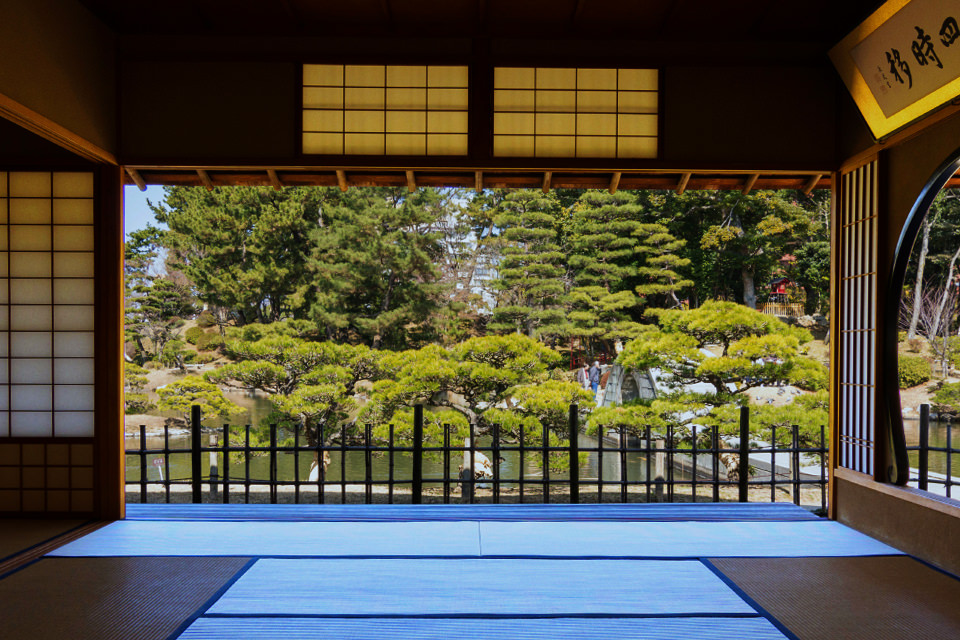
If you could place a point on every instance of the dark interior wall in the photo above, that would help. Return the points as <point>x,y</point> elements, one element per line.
<point>749,115</point>
<point>247,111</point>
<point>20,148</point>
<point>59,61</point>
<point>238,111</point>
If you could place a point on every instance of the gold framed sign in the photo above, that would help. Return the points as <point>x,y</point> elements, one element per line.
<point>902,62</point>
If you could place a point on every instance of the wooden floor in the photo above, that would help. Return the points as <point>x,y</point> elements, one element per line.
<point>755,572</point>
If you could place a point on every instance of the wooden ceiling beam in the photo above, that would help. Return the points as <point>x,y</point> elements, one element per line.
<point>411,181</point>
<point>811,184</point>
<point>137,179</point>
<point>614,182</point>
<point>748,186</point>
<point>682,185</point>
<point>205,179</point>
<point>547,178</point>
<point>342,180</point>
<point>274,179</point>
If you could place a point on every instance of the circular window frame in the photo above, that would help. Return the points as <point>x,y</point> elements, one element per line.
<point>901,259</point>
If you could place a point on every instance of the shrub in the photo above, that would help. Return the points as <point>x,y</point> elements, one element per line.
<point>808,374</point>
<point>152,364</point>
<point>192,334</point>
<point>137,403</point>
<point>912,370</point>
<point>252,332</point>
<point>914,345</point>
<point>946,398</point>
<point>209,342</point>
<point>206,319</point>
<point>204,358</point>
<point>901,336</point>
<point>176,321</point>
<point>134,377</point>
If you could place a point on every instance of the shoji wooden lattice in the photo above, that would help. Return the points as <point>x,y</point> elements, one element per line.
<point>46,304</point>
<point>582,113</point>
<point>384,110</point>
<point>858,342</point>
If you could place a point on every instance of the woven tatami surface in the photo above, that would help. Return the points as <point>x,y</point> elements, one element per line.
<point>19,534</point>
<point>109,598</point>
<point>868,598</point>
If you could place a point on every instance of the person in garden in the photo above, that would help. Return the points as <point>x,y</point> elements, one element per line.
<point>583,376</point>
<point>594,375</point>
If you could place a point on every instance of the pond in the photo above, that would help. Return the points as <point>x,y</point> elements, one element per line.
<point>942,434</point>
<point>352,465</point>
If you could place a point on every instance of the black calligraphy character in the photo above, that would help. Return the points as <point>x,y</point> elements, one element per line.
<point>949,31</point>
<point>897,65</point>
<point>923,51</point>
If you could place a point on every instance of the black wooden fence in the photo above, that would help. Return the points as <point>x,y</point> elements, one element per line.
<point>743,471</point>
<point>921,475</point>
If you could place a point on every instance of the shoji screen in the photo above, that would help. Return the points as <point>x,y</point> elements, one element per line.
<point>582,113</point>
<point>384,110</point>
<point>857,321</point>
<point>46,341</point>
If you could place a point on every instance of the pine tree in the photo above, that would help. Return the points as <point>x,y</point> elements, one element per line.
<point>531,272</point>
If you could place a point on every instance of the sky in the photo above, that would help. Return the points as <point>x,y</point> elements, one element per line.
<point>136,213</point>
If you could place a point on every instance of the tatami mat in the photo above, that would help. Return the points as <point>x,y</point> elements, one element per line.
<point>491,629</point>
<point>109,598</point>
<point>425,587</point>
<point>676,539</point>
<point>889,598</point>
<point>150,538</point>
<point>473,539</point>
<point>19,534</point>
<point>699,512</point>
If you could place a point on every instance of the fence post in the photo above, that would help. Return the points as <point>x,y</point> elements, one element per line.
<point>924,456</point>
<point>744,461</point>
<point>195,451</point>
<point>226,464</point>
<point>273,464</point>
<point>574,454</point>
<point>214,466</point>
<point>143,464</point>
<point>795,463</point>
<point>417,489</point>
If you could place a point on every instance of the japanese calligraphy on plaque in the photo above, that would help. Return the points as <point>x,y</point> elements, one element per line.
<point>907,56</point>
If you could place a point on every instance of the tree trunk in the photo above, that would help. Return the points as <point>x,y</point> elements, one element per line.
<point>918,287</point>
<point>749,290</point>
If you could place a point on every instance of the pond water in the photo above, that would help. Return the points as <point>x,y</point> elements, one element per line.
<point>351,466</point>
<point>942,434</point>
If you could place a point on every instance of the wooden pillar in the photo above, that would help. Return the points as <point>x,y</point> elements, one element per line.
<point>108,336</point>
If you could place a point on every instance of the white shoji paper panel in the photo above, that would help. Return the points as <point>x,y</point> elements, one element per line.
<point>384,110</point>
<point>46,304</point>
<point>583,113</point>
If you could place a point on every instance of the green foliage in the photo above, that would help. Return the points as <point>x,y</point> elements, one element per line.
<point>173,353</point>
<point>809,374</point>
<point>134,376</point>
<point>912,370</point>
<point>192,334</point>
<point>756,349</point>
<point>469,378</point>
<point>372,265</point>
<point>808,412</point>
<point>181,395</point>
<point>137,403</point>
<point>531,269</point>
<point>209,342</point>
<point>206,320</point>
<point>946,398</point>
<point>152,364</point>
<point>244,248</point>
